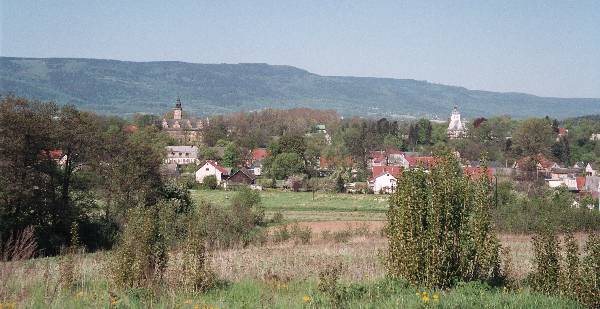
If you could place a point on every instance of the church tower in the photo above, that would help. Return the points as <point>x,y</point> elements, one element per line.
<point>177,111</point>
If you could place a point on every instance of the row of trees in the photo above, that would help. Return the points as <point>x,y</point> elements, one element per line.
<point>61,167</point>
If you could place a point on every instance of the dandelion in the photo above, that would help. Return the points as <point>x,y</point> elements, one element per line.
<point>436,297</point>
<point>425,299</point>
<point>115,302</point>
<point>306,298</point>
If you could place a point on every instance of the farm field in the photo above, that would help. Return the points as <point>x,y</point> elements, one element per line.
<point>300,206</point>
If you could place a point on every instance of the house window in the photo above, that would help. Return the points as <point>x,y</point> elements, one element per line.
<point>207,169</point>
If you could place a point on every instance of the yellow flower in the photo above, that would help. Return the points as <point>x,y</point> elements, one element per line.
<point>196,306</point>
<point>418,294</point>
<point>425,298</point>
<point>115,301</point>
<point>424,294</point>
<point>188,302</point>
<point>436,297</point>
<point>306,298</point>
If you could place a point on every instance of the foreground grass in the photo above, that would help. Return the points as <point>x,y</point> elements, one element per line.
<point>276,275</point>
<point>293,294</point>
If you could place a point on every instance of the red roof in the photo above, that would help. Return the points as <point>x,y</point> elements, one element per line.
<point>395,171</point>
<point>259,154</point>
<point>562,131</point>
<point>476,172</point>
<point>580,183</point>
<point>130,129</point>
<point>215,165</point>
<point>418,161</point>
<point>55,154</point>
<point>539,158</point>
<point>377,155</point>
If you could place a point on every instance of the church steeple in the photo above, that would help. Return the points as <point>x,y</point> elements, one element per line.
<point>178,110</point>
<point>178,103</point>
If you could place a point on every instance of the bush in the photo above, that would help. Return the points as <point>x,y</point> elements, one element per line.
<point>301,234</point>
<point>439,228</point>
<point>266,182</point>
<point>210,182</point>
<point>141,256</point>
<point>281,234</point>
<point>236,224</point>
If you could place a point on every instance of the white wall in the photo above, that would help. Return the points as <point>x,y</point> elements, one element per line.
<point>206,170</point>
<point>385,183</point>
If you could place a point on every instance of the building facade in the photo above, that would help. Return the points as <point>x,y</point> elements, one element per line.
<point>182,155</point>
<point>184,129</point>
<point>456,127</point>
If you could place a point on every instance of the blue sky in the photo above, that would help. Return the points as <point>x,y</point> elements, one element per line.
<point>547,48</point>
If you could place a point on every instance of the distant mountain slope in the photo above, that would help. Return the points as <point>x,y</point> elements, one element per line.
<point>122,87</point>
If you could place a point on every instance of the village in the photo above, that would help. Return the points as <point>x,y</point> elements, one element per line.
<point>384,166</point>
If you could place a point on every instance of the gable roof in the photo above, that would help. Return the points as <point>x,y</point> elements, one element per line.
<point>395,171</point>
<point>476,172</point>
<point>216,166</point>
<point>259,154</point>
<point>420,161</point>
<point>580,183</point>
<point>244,172</point>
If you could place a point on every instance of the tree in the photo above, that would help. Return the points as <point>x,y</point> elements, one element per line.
<point>232,156</point>
<point>286,164</point>
<point>533,136</point>
<point>439,228</point>
<point>424,130</point>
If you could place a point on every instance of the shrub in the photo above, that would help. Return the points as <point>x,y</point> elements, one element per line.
<point>439,228</point>
<point>237,224</point>
<point>277,217</point>
<point>266,182</point>
<point>141,256</point>
<point>196,275</point>
<point>281,234</point>
<point>210,182</point>
<point>301,234</point>
<point>328,284</point>
<point>546,262</point>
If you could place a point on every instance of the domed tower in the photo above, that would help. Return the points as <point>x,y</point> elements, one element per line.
<point>177,111</point>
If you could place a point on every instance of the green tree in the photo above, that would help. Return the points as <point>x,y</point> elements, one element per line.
<point>533,136</point>
<point>286,164</point>
<point>439,228</point>
<point>232,156</point>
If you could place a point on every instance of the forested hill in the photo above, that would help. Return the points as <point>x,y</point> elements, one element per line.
<point>122,87</point>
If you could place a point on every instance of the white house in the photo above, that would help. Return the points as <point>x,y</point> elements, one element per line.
<point>590,170</point>
<point>211,168</point>
<point>182,155</point>
<point>384,183</point>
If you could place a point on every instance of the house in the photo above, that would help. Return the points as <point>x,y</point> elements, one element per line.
<point>425,162</point>
<point>595,137</point>
<point>182,128</point>
<point>537,162</point>
<point>182,155</point>
<point>591,169</point>
<point>257,155</point>
<point>212,168</point>
<point>456,128</point>
<point>242,177</point>
<point>385,178</point>
<point>575,184</point>
<point>560,172</point>
<point>476,172</point>
<point>58,156</point>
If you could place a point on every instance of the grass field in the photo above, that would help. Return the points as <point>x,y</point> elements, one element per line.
<point>300,206</point>
<point>275,274</point>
